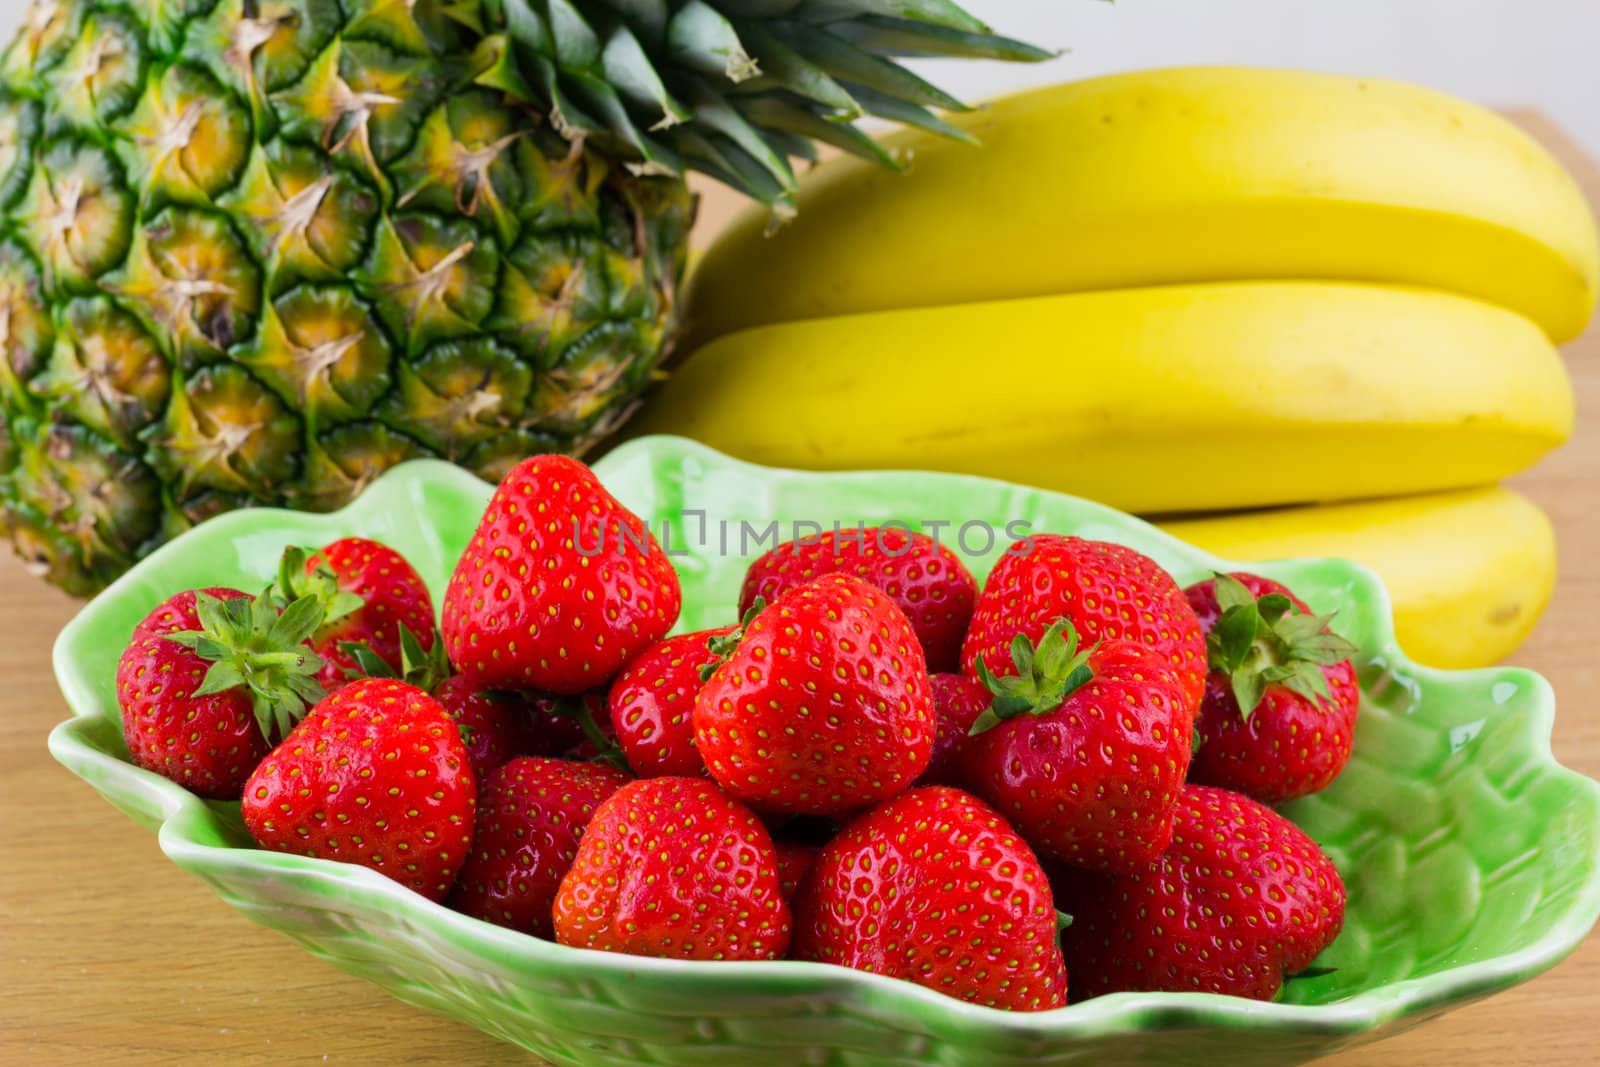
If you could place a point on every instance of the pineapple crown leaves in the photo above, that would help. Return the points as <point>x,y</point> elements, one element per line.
<point>295,582</point>
<point>722,645</point>
<point>1047,673</point>
<point>251,644</point>
<point>1268,640</point>
<point>424,668</point>
<point>732,88</point>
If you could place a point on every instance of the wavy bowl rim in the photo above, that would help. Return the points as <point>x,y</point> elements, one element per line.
<point>168,805</point>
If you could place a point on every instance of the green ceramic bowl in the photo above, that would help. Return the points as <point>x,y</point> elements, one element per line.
<point>1472,857</point>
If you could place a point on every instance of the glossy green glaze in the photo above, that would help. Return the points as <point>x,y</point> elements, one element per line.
<point>1472,857</point>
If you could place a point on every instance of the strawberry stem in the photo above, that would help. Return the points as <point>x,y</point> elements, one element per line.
<point>1047,673</point>
<point>296,582</point>
<point>1263,641</point>
<point>722,645</point>
<point>1063,920</point>
<point>609,751</point>
<point>426,669</point>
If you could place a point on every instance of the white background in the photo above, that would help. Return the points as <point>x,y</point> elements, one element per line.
<point>1542,53</point>
<point>1539,53</point>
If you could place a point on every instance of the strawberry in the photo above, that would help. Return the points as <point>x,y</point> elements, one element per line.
<point>576,727</point>
<point>957,702</point>
<point>177,612</point>
<point>495,726</point>
<point>675,867</point>
<point>560,586</point>
<point>1084,750</point>
<point>376,775</point>
<point>1241,900</point>
<point>795,860</point>
<point>651,703</point>
<point>1107,591</point>
<point>531,813</point>
<point>368,592</point>
<point>209,680</point>
<point>934,887</point>
<point>926,580</point>
<point>1279,715</point>
<point>824,707</point>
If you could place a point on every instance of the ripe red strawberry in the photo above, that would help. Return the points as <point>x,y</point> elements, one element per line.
<point>925,579</point>
<point>1107,592</point>
<point>376,775</point>
<point>675,867</point>
<point>1241,900</point>
<point>1279,716</point>
<point>209,680</point>
<point>531,814</point>
<point>795,860</point>
<point>934,887</point>
<point>1084,750</point>
<point>560,586</point>
<point>368,592</point>
<point>652,703</point>
<point>495,726</point>
<point>957,702</point>
<point>177,612</point>
<point>824,707</point>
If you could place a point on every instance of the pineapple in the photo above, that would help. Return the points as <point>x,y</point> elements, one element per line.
<point>257,251</point>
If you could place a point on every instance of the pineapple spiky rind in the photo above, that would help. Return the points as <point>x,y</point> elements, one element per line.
<point>257,251</point>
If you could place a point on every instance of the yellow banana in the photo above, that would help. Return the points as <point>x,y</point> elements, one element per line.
<point>1179,398</point>
<point>1469,572</point>
<point>1173,176</point>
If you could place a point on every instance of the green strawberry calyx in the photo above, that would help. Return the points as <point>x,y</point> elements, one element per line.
<point>1259,642</point>
<point>426,669</point>
<point>1063,921</point>
<point>722,645</point>
<point>298,582</point>
<point>253,645</point>
<point>1047,673</point>
<point>575,708</point>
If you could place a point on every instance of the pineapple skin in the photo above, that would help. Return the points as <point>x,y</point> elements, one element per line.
<point>258,253</point>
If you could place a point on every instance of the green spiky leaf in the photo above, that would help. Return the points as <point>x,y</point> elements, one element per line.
<point>849,64</point>
<point>254,646</point>
<point>908,38</point>
<point>700,38</point>
<point>368,663</point>
<point>1046,674</point>
<point>784,68</point>
<point>620,72</point>
<point>1259,643</point>
<point>932,12</point>
<point>628,69</point>
<point>773,112</point>
<point>722,645</point>
<point>424,668</point>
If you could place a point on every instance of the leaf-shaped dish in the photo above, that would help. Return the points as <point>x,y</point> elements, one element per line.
<point>1472,857</point>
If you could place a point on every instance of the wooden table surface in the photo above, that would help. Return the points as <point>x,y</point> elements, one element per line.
<point>109,954</point>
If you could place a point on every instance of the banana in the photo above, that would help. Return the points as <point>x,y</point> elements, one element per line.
<point>1178,398</point>
<point>1173,176</point>
<point>1469,573</point>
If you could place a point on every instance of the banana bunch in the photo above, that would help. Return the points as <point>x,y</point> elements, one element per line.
<point>1185,291</point>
